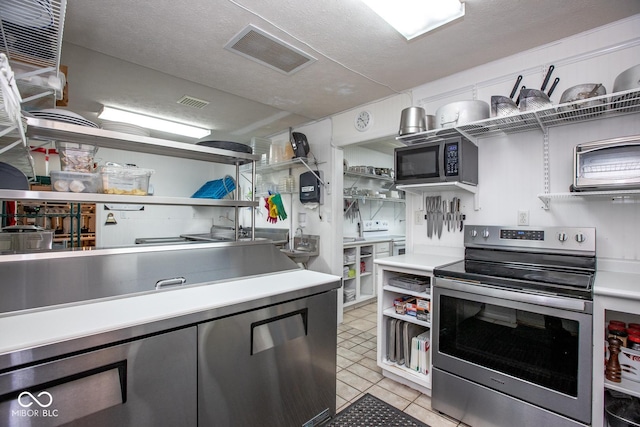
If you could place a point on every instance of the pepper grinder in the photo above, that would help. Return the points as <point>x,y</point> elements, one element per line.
<point>613,371</point>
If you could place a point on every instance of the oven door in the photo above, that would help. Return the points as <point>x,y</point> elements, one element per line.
<point>534,348</point>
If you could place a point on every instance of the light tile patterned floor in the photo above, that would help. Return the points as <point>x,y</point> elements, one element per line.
<point>358,372</point>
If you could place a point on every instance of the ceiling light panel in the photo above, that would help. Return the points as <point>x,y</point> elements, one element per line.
<point>412,18</point>
<point>116,115</point>
<point>260,46</point>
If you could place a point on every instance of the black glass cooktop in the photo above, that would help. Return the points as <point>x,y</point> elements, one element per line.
<point>567,275</point>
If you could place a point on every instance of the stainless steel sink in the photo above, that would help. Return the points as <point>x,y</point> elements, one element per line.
<point>303,248</point>
<point>352,239</point>
<point>221,234</point>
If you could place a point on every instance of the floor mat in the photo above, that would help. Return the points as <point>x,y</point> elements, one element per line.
<point>369,411</point>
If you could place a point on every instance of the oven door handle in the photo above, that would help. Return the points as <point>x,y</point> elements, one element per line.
<point>572,304</point>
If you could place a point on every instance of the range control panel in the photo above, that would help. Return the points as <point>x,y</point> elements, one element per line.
<point>522,234</point>
<point>574,239</point>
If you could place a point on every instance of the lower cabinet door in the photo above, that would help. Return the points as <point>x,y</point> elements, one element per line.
<point>274,366</point>
<point>146,382</point>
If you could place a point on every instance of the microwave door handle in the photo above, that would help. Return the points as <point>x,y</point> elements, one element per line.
<point>611,145</point>
<point>441,161</point>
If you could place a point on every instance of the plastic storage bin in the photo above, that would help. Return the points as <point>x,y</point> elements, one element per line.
<point>76,182</point>
<point>132,180</point>
<point>76,157</point>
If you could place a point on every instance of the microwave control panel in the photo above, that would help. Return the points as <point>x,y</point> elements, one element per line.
<point>452,159</point>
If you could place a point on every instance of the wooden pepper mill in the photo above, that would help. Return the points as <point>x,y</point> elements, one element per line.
<point>613,371</point>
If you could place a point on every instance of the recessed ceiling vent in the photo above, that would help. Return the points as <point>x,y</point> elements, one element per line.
<point>190,101</point>
<point>262,47</point>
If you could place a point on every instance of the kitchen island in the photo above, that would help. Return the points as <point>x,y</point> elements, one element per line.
<point>178,356</point>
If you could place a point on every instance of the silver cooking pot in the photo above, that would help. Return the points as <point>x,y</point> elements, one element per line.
<point>461,112</point>
<point>628,79</point>
<point>412,120</point>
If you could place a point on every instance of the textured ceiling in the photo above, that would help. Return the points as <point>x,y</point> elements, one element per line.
<point>145,55</point>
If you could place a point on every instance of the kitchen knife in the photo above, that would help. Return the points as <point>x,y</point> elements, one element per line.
<point>426,213</point>
<point>439,215</point>
<point>456,213</point>
<point>428,206</point>
<point>460,216</point>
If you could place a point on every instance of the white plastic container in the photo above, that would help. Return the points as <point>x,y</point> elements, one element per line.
<point>76,182</point>
<point>131,180</point>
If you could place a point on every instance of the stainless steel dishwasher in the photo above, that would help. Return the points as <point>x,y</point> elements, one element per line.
<point>269,367</point>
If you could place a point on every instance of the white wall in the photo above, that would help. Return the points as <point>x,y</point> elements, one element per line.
<point>511,167</point>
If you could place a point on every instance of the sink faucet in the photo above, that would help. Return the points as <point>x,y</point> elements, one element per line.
<point>228,219</point>
<point>303,242</point>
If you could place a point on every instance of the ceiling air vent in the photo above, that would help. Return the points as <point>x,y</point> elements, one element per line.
<point>257,45</point>
<point>190,101</point>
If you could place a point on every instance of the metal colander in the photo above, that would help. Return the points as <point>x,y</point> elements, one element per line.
<point>533,99</point>
<point>502,106</point>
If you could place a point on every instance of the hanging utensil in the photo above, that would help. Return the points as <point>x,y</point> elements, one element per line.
<point>553,86</point>
<point>547,77</point>
<point>430,223</point>
<point>439,217</point>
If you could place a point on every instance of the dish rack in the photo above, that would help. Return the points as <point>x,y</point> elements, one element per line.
<point>31,38</point>
<point>13,143</point>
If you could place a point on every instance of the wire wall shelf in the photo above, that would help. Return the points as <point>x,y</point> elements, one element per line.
<point>600,107</point>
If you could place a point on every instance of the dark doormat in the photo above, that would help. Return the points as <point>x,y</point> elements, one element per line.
<point>369,411</point>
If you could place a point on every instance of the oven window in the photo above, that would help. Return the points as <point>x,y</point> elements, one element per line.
<point>530,346</point>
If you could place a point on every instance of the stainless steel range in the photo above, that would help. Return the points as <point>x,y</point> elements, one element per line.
<point>513,328</point>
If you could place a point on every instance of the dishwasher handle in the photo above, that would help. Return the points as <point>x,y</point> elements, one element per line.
<point>165,283</point>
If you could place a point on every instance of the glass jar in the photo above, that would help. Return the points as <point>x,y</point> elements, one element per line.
<point>634,342</point>
<point>616,330</point>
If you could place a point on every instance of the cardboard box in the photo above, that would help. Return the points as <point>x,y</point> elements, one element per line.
<point>39,187</point>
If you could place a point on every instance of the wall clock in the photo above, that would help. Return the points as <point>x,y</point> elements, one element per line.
<point>363,121</point>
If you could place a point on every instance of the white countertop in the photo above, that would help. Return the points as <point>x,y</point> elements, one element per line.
<point>617,278</point>
<point>373,239</point>
<point>48,326</point>
<point>417,261</point>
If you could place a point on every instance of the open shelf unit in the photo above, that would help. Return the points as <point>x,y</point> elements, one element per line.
<point>47,131</point>
<point>387,293</point>
<point>358,257</point>
<point>607,308</point>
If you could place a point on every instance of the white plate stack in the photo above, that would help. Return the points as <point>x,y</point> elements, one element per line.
<point>59,115</point>
<point>349,295</point>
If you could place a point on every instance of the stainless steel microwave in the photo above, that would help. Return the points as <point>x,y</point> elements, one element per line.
<point>612,164</point>
<point>447,160</point>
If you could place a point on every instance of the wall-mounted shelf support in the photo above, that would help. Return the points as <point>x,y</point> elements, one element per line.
<point>546,169</point>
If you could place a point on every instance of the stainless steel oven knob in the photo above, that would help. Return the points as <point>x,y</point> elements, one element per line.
<point>562,237</point>
<point>580,238</point>
<point>485,233</point>
<point>473,233</point>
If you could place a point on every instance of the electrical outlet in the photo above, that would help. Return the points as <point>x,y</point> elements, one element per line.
<point>419,217</point>
<point>523,217</point>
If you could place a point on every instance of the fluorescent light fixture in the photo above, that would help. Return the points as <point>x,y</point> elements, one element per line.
<point>116,115</point>
<point>412,18</point>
